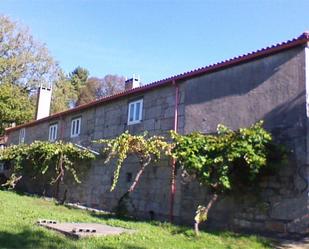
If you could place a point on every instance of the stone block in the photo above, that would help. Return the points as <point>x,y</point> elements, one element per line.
<point>171,100</point>
<point>167,124</point>
<point>149,124</point>
<point>168,112</point>
<point>276,226</point>
<point>286,208</point>
<point>274,184</point>
<point>242,223</point>
<point>260,217</point>
<point>153,112</point>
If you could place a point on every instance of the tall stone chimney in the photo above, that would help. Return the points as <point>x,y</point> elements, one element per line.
<point>133,82</point>
<point>43,102</point>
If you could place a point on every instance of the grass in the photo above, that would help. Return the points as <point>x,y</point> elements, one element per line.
<point>18,215</point>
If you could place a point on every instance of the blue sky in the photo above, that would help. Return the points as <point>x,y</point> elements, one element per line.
<point>155,39</point>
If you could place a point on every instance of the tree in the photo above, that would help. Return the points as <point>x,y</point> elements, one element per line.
<point>110,85</point>
<point>24,64</point>
<point>15,106</point>
<point>145,149</point>
<point>89,92</point>
<point>23,61</point>
<point>222,162</point>
<point>96,88</point>
<point>78,77</point>
<point>64,94</point>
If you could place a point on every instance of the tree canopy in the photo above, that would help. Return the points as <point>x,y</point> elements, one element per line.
<point>64,94</point>
<point>78,77</point>
<point>110,84</point>
<point>15,106</point>
<point>24,64</point>
<point>24,61</point>
<point>96,88</point>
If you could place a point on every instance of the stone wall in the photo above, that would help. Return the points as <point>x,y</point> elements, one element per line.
<point>151,198</point>
<point>271,88</point>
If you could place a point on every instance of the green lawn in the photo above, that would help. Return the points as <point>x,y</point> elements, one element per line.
<point>18,215</point>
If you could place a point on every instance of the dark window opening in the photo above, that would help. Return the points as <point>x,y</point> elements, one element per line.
<point>151,215</point>
<point>129,177</point>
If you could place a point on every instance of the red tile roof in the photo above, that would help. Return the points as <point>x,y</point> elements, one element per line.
<point>302,39</point>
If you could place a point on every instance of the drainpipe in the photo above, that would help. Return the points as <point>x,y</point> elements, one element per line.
<point>173,168</point>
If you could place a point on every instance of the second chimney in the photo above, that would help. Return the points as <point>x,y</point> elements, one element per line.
<point>132,83</point>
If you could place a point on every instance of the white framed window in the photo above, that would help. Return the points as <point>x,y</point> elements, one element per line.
<point>22,135</point>
<point>75,127</point>
<point>53,131</point>
<point>135,112</point>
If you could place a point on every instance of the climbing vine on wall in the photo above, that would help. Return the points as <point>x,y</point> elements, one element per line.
<point>222,161</point>
<point>145,148</point>
<point>41,158</point>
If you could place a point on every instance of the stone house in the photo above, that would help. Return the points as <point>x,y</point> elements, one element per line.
<point>269,84</point>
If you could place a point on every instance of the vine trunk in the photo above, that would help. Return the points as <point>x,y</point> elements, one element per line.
<point>212,200</point>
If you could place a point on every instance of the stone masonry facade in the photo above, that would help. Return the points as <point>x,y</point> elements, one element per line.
<point>273,87</point>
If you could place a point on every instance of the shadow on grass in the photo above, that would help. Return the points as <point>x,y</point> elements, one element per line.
<point>22,193</point>
<point>188,231</point>
<point>28,238</point>
<point>106,216</point>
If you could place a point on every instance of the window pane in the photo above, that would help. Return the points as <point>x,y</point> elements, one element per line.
<point>137,110</point>
<point>131,112</point>
<point>22,135</point>
<point>77,126</point>
<point>55,133</point>
<point>73,128</point>
<point>49,135</point>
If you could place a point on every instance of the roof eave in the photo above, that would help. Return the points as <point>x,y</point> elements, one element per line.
<point>301,40</point>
